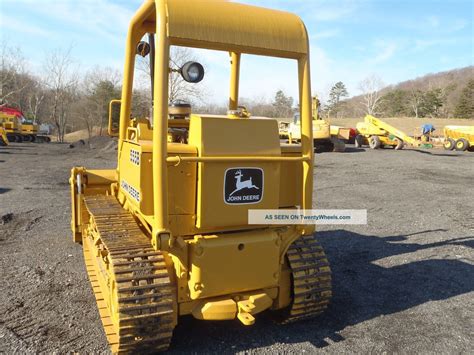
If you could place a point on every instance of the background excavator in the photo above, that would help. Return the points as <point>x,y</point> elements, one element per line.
<point>18,128</point>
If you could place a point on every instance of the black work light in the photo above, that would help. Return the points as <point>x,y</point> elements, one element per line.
<point>192,72</point>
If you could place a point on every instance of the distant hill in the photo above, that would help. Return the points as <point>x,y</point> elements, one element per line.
<point>458,77</point>
<point>435,95</point>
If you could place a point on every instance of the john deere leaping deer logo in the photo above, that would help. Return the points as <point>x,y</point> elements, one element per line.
<point>240,185</point>
<point>243,185</point>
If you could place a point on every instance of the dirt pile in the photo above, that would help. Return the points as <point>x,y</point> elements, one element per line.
<point>102,143</point>
<point>83,134</point>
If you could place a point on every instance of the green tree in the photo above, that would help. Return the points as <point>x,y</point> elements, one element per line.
<point>465,105</point>
<point>394,103</point>
<point>338,91</point>
<point>432,102</point>
<point>415,101</point>
<point>282,105</point>
<point>102,92</point>
<point>100,85</point>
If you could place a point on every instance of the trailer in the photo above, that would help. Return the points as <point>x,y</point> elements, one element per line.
<point>460,138</point>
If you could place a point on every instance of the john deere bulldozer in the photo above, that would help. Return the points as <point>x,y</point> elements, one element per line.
<point>166,233</point>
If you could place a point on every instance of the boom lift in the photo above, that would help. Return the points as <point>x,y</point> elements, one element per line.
<point>376,134</point>
<point>166,234</point>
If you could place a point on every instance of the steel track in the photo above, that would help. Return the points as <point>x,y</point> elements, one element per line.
<point>130,280</point>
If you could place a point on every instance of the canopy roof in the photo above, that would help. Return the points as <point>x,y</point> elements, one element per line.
<point>11,111</point>
<point>224,25</point>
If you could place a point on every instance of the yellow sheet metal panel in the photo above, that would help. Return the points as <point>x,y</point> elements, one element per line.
<point>182,189</point>
<point>136,179</point>
<point>291,178</point>
<point>101,177</point>
<point>227,190</point>
<point>173,148</point>
<point>239,262</point>
<point>182,184</point>
<point>232,25</point>
<point>29,128</point>
<point>215,135</point>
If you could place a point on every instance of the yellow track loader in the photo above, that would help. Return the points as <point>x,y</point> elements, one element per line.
<point>326,138</point>
<point>166,233</point>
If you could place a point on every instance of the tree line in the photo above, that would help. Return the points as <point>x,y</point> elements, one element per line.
<point>439,95</point>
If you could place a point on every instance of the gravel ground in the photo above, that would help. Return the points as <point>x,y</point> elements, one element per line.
<point>402,283</point>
